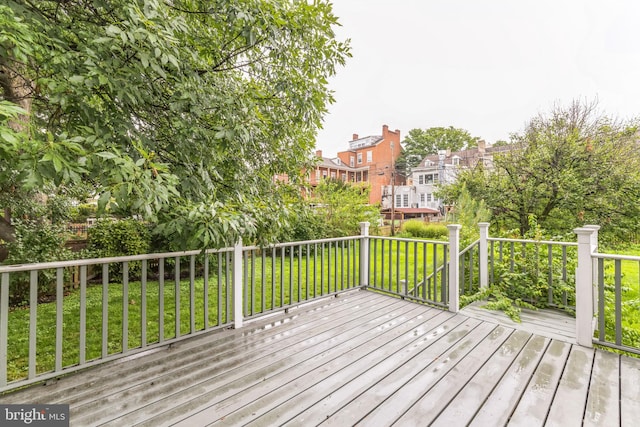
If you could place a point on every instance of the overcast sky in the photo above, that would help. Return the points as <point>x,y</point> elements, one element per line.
<point>487,66</point>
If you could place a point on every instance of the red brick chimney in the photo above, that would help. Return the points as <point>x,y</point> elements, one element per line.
<point>385,131</point>
<point>355,136</point>
<point>319,153</point>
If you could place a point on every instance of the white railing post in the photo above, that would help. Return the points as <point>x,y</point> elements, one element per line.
<point>594,271</point>
<point>484,254</point>
<point>454,270</point>
<point>364,254</point>
<point>584,287</point>
<point>238,291</point>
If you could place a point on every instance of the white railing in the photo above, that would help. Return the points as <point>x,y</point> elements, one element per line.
<point>103,309</point>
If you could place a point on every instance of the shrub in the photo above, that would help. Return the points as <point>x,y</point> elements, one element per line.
<point>109,238</point>
<point>35,242</point>
<point>419,229</point>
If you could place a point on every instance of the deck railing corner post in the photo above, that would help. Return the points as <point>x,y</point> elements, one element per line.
<point>364,254</point>
<point>584,287</point>
<point>484,254</point>
<point>454,272</point>
<point>238,290</point>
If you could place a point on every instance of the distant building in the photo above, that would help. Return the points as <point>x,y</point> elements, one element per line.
<point>368,159</point>
<point>435,170</point>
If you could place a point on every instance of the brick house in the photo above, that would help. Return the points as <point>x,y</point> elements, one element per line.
<point>368,159</point>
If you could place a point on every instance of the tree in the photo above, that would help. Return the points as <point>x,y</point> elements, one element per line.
<point>342,206</point>
<point>420,143</point>
<point>569,167</point>
<point>181,112</point>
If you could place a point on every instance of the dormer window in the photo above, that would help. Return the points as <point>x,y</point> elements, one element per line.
<point>455,160</point>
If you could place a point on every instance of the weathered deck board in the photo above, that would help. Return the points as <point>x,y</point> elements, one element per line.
<point>549,323</point>
<point>362,358</point>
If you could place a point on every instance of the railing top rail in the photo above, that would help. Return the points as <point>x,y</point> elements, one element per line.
<point>616,256</point>
<point>468,248</point>
<point>302,242</point>
<point>400,239</point>
<point>542,242</point>
<point>99,261</point>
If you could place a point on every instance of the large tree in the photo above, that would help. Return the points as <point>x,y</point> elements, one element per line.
<point>569,167</point>
<point>420,143</point>
<point>181,111</point>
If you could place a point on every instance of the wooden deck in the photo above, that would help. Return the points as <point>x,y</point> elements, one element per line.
<point>361,358</point>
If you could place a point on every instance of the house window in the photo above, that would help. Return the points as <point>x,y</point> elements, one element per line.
<point>456,161</point>
<point>352,161</point>
<point>369,156</point>
<point>405,200</point>
<point>422,198</point>
<point>324,174</point>
<point>428,197</point>
<point>420,179</point>
<point>333,175</point>
<point>398,200</point>
<point>344,176</point>
<point>359,158</point>
<point>428,179</point>
<point>317,174</point>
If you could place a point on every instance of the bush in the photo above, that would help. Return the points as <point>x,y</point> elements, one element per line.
<point>421,230</point>
<point>109,238</point>
<point>35,242</point>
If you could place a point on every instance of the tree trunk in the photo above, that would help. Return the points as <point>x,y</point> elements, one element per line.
<point>17,88</point>
<point>7,232</point>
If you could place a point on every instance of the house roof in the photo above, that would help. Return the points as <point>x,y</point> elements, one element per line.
<point>335,163</point>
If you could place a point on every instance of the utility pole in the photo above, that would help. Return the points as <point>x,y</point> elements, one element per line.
<point>393,194</point>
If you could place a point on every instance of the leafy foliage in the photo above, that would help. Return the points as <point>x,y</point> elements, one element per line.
<point>341,206</point>
<point>180,111</point>
<point>118,238</point>
<point>35,242</point>
<point>570,167</point>
<point>468,212</point>
<point>524,277</point>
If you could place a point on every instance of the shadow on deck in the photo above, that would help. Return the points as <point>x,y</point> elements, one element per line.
<point>361,358</point>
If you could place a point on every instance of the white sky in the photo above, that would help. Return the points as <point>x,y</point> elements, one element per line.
<point>487,66</point>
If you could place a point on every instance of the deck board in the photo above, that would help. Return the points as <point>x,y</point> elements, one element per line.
<point>361,358</point>
<point>548,322</point>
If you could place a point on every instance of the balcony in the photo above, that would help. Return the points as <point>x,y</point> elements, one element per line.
<point>360,330</point>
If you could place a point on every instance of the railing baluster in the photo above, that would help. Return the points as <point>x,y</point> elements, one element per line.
<point>273,277</point>
<point>143,304</point>
<point>4,327</point>
<point>33,316</point>
<point>299,272</point>
<point>205,296</point>
<point>176,281</point>
<point>83,313</point>
<point>192,294</point>
<point>601,301</point>
<point>105,310</point>
<point>220,285</point>
<point>550,274</point>
<point>618,301</point>
<point>263,276</point>
<point>307,272</point>
<point>59,317</point>
<point>161,300</point>
<point>125,306</point>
